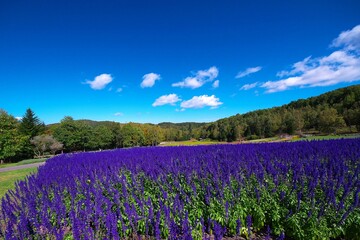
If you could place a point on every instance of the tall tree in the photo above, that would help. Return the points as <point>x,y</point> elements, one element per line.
<point>69,133</point>
<point>153,134</point>
<point>12,142</point>
<point>131,135</point>
<point>30,124</point>
<point>101,137</point>
<point>330,121</point>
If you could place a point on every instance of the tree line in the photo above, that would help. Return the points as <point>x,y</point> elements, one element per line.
<point>332,112</point>
<point>29,137</point>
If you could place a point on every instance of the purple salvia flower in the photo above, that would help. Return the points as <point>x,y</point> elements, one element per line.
<point>248,225</point>
<point>268,232</point>
<point>281,237</point>
<point>157,226</point>
<point>238,227</point>
<point>218,231</point>
<point>227,210</point>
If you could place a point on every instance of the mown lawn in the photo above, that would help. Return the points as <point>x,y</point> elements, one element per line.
<point>328,137</point>
<point>8,179</point>
<point>294,138</point>
<point>189,143</point>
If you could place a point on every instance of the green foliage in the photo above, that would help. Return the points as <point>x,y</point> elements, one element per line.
<point>103,137</point>
<point>325,113</point>
<point>131,135</point>
<point>70,133</point>
<point>30,124</point>
<point>275,205</point>
<point>329,120</point>
<point>153,134</point>
<point>12,143</point>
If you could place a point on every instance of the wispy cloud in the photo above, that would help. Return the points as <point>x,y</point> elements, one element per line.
<point>118,114</point>
<point>100,81</point>
<point>249,86</point>
<point>199,79</point>
<point>342,65</point>
<point>248,71</point>
<point>349,39</point>
<point>298,67</point>
<point>166,99</point>
<point>202,101</point>
<point>216,84</point>
<point>149,80</point>
<point>119,90</point>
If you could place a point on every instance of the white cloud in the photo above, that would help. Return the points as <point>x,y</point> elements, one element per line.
<point>180,110</point>
<point>166,99</point>
<point>199,79</point>
<point>349,39</point>
<point>18,118</point>
<point>249,86</point>
<point>149,80</point>
<point>100,81</point>
<point>248,71</point>
<point>298,67</point>
<point>216,84</point>
<point>342,65</point>
<point>118,114</point>
<point>202,101</point>
<point>119,90</point>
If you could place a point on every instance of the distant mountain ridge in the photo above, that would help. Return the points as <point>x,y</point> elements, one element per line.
<point>341,105</point>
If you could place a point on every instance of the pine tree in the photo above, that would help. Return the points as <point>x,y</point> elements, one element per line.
<point>30,124</point>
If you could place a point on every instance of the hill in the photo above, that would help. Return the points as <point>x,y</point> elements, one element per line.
<point>331,112</point>
<point>337,111</point>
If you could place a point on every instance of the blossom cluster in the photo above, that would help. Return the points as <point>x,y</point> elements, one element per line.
<point>301,190</point>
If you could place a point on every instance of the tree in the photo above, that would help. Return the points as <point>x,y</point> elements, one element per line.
<point>12,142</point>
<point>131,135</point>
<point>71,134</point>
<point>30,124</point>
<point>153,135</point>
<point>56,146</point>
<point>299,119</point>
<point>45,143</point>
<point>289,123</point>
<point>330,121</point>
<point>101,137</point>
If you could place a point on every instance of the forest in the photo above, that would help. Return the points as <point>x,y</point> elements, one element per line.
<point>334,112</point>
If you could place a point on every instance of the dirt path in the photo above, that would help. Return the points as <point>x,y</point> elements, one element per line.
<point>21,167</point>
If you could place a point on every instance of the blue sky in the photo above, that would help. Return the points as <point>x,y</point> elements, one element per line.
<point>155,61</point>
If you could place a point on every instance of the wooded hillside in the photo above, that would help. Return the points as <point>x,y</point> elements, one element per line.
<point>332,112</point>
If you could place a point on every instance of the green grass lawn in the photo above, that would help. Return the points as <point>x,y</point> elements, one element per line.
<point>8,179</point>
<point>189,143</point>
<point>271,139</point>
<point>23,162</point>
<point>328,137</point>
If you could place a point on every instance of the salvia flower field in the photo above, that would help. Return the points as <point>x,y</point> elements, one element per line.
<point>302,190</point>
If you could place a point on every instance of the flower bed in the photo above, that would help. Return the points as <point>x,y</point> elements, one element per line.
<point>301,190</point>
